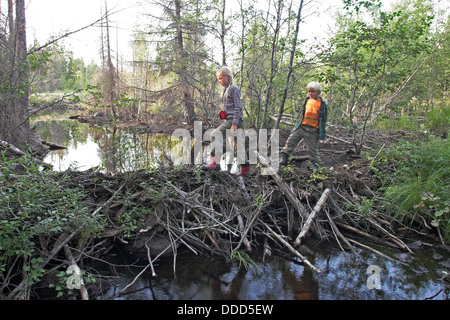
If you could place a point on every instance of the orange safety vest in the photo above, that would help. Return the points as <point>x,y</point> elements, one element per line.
<point>311,117</point>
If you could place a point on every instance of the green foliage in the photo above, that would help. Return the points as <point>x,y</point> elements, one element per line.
<point>361,210</point>
<point>399,123</point>
<point>34,206</point>
<point>416,181</point>
<point>438,119</point>
<point>245,260</point>
<point>34,271</point>
<point>56,69</point>
<point>371,57</point>
<point>64,277</point>
<point>133,219</point>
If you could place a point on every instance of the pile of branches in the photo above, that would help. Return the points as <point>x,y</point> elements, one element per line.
<point>153,213</point>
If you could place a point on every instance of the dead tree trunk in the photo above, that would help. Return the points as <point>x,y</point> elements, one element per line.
<point>181,53</point>
<point>222,34</point>
<point>14,79</point>
<point>272,64</point>
<point>109,71</point>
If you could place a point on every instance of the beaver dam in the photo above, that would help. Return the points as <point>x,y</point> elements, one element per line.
<point>163,212</point>
<point>170,210</point>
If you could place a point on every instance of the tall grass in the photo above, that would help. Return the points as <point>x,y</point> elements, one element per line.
<point>416,178</point>
<point>438,119</point>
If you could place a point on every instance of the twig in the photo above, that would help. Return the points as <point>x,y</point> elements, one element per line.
<point>145,269</point>
<point>378,153</point>
<point>367,235</point>
<point>243,236</point>
<point>339,234</point>
<point>109,200</point>
<point>395,239</point>
<point>375,251</point>
<point>150,259</point>
<point>16,292</point>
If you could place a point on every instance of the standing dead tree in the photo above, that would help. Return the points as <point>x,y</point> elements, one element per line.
<point>109,71</point>
<point>14,79</point>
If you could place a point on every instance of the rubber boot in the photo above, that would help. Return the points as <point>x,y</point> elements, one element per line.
<point>212,165</point>
<point>284,159</point>
<point>245,170</point>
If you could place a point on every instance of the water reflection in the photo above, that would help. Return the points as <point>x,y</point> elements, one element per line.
<point>344,278</point>
<point>201,278</point>
<point>111,149</point>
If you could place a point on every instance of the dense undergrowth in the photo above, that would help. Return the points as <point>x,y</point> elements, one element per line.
<point>415,179</point>
<point>34,208</point>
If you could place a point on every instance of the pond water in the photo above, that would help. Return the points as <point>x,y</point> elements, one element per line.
<point>107,148</point>
<point>345,276</point>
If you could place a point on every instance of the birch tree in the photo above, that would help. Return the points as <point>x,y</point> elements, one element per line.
<point>369,59</point>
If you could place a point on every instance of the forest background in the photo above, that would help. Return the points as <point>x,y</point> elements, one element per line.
<point>374,64</point>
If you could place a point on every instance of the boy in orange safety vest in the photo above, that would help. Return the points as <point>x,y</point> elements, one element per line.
<point>310,126</point>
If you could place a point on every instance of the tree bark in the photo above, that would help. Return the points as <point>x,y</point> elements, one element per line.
<point>14,96</point>
<point>110,71</point>
<point>311,217</point>
<point>187,95</point>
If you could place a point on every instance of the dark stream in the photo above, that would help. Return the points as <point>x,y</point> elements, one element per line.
<point>285,278</point>
<point>345,275</point>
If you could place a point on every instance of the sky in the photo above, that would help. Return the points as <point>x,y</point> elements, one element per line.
<point>47,18</point>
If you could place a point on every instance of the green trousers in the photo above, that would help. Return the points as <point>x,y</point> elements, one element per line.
<point>311,136</point>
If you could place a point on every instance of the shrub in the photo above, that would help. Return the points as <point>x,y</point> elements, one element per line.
<point>417,181</point>
<point>438,119</point>
<point>34,209</point>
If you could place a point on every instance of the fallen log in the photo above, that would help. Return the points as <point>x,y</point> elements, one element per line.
<point>284,188</point>
<point>20,153</point>
<point>53,146</point>
<point>311,217</point>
